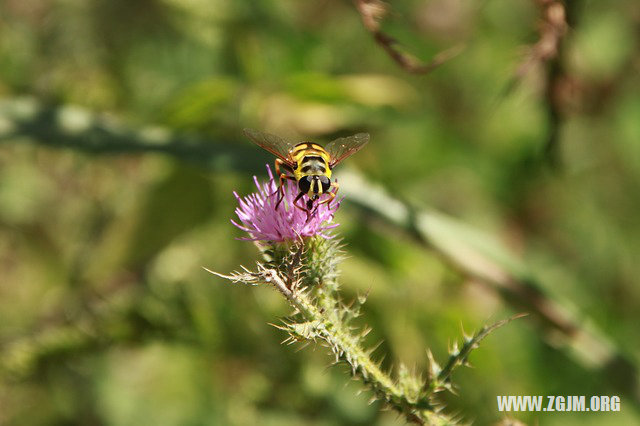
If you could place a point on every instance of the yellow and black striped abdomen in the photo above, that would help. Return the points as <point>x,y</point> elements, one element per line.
<point>311,160</point>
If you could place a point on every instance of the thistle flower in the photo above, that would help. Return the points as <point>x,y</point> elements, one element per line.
<point>262,221</point>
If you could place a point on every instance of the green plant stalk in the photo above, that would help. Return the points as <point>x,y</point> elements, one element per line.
<point>348,349</point>
<point>305,272</point>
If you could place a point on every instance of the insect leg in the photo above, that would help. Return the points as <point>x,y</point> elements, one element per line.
<point>331,194</point>
<point>283,176</point>
<point>328,201</point>
<point>295,203</point>
<point>280,175</point>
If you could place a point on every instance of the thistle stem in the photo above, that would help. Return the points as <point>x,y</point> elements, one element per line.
<point>347,348</point>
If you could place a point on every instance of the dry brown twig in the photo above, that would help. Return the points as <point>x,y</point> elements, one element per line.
<point>548,50</point>
<point>552,29</point>
<point>372,12</point>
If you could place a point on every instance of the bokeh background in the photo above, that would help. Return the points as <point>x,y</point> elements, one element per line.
<point>121,144</point>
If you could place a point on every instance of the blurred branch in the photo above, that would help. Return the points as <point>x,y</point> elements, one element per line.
<point>372,12</point>
<point>552,29</point>
<point>471,251</point>
<point>557,17</point>
<point>82,130</point>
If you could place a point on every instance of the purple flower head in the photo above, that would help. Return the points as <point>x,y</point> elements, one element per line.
<point>262,221</point>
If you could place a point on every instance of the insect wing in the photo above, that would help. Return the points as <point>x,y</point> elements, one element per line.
<point>342,148</point>
<point>274,144</point>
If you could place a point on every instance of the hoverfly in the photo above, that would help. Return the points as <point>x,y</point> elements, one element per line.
<point>307,163</point>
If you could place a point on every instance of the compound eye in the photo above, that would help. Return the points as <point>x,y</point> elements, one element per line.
<point>326,184</point>
<point>304,184</point>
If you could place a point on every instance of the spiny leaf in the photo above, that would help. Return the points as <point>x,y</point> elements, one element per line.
<point>246,276</point>
<point>459,357</point>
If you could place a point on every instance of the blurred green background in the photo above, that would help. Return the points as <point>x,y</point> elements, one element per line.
<point>121,143</point>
